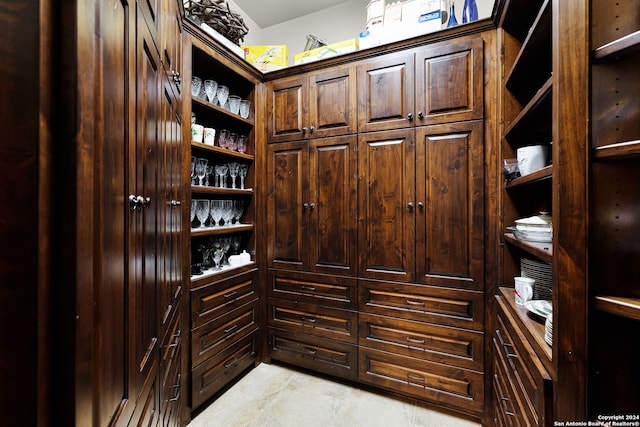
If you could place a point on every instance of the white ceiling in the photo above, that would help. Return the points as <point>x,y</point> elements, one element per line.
<point>266,13</point>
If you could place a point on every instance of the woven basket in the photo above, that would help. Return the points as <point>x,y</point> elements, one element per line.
<point>219,16</point>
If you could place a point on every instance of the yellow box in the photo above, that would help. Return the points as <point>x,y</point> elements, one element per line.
<point>269,54</point>
<point>333,49</point>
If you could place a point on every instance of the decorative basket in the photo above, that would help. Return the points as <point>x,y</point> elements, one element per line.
<point>218,15</point>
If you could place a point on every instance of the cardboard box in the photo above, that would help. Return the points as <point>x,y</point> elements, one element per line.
<point>333,49</point>
<point>277,55</point>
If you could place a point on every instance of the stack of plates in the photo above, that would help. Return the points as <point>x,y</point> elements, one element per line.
<point>541,272</point>
<point>548,330</point>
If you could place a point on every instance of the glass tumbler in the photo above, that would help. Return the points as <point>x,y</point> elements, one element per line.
<point>245,106</point>
<point>234,104</point>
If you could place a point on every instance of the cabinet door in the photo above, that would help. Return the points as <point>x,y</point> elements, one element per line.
<point>449,83</point>
<point>450,224</point>
<point>332,213</point>
<point>171,35</point>
<point>386,194</point>
<point>288,104</point>
<point>385,93</point>
<point>332,109</point>
<point>288,205</point>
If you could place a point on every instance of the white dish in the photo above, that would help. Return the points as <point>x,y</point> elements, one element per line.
<point>539,308</point>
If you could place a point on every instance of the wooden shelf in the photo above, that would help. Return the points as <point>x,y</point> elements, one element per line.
<point>617,48</point>
<point>533,329</point>
<point>222,151</point>
<point>226,272</point>
<point>532,66</point>
<point>220,110</point>
<point>540,175</point>
<point>222,191</point>
<point>625,307</point>
<point>620,150</point>
<point>543,251</point>
<point>216,231</point>
<point>518,17</point>
<point>533,124</point>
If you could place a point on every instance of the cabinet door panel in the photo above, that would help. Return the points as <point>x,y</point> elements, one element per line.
<point>333,219</point>
<point>385,93</point>
<point>450,227</point>
<point>333,102</point>
<point>288,106</point>
<point>449,83</point>
<point>386,228</point>
<point>287,169</point>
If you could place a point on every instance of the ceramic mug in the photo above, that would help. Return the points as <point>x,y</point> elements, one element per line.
<point>209,136</point>
<point>531,158</point>
<point>524,289</point>
<point>197,132</point>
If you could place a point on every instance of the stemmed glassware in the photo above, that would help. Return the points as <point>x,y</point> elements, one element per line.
<point>201,169</point>
<point>236,241</point>
<point>226,245</point>
<point>234,168</point>
<point>218,253</point>
<point>238,209</point>
<point>227,212</point>
<point>209,173</point>
<point>193,170</point>
<point>211,89</point>
<point>202,211</point>
<point>216,212</point>
<point>243,173</point>
<point>223,95</point>
<point>193,211</point>
<point>196,85</point>
<point>222,170</point>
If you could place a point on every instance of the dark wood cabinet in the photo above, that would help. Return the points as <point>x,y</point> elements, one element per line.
<point>312,205</point>
<point>312,105</point>
<point>171,42</point>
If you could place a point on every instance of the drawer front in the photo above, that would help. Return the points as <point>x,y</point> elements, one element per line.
<point>331,291</point>
<point>170,360</point>
<point>311,319</point>
<point>319,354</point>
<point>531,381</point>
<point>452,307</point>
<point>211,301</point>
<point>456,388</point>
<point>211,338</point>
<point>507,408</point>
<point>442,344</point>
<point>209,377</point>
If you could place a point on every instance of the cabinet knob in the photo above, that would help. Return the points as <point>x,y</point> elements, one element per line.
<point>410,116</point>
<point>312,206</point>
<point>175,203</point>
<point>312,129</point>
<point>420,115</point>
<point>147,202</point>
<point>135,202</point>
<point>410,205</point>
<point>305,206</point>
<point>420,205</point>
<point>304,129</point>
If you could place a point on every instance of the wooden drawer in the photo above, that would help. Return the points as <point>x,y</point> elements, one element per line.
<point>171,352</point>
<point>449,386</point>
<point>531,381</point>
<point>507,410</point>
<point>210,376</point>
<point>319,354</point>
<point>331,291</point>
<point>442,344</point>
<point>211,338</point>
<point>453,307</point>
<point>311,319</point>
<point>216,299</point>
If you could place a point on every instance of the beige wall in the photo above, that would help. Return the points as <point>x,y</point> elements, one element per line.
<point>340,22</point>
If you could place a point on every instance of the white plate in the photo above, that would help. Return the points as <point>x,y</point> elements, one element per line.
<point>539,308</point>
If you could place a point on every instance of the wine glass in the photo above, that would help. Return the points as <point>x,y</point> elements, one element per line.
<point>217,257</point>
<point>233,172</point>
<point>196,85</point>
<point>244,110</point>
<point>232,141</point>
<point>202,211</point>
<point>236,241</point>
<point>242,143</point>
<point>208,176</point>
<point>216,212</point>
<point>222,170</point>
<point>201,169</point>
<point>223,95</point>
<point>234,104</point>
<point>243,173</point>
<point>193,211</point>
<point>238,208</point>
<point>193,170</point>
<point>226,245</point>
<point>227,212</point>
<point>211,89</point>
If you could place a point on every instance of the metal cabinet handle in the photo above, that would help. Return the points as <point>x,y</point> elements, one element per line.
<point>420,205</point>
<point>312,129</point>
<point>136,202</point>
<point>312,206</point>
<point>305,206</point>
<point>414,341</point>
<point>410,116</point>
<point>304,129</point>
<point>147,202</point>
<point>231,362</point>
<point>175,203</point>
<point>309,319</point>
<point>420,115</point>
<point>311,350</point>
<point>410,205</point>
<point>231,328</point>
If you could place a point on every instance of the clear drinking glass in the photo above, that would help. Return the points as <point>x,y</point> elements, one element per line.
<point>238,209</point>
<point>223,95</point>
<point>243,173</point>
<point>193,170</point>
<point>245,106</point>
<point>234,104</point>
<point>193,211</point>
<point>216,212</point>
<point>222,170</point>
<point>211,89</point>
<point>226,245</point>
<point>236,241</point>
<point>201,169</point>
<point>232,141</point>
<point>210,172</point>
<point>234,168</point>
<point>196,85</point>
<point>242,143</point>
<point>202,211</point>
<point>223,138</point>
<point>217,257</point>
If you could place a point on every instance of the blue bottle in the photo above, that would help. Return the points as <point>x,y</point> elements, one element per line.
<point>469,11</point>
<point>452,16</point>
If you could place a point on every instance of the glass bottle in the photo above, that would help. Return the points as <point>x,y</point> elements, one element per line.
<point>452,16</point>
<point>469,11</point>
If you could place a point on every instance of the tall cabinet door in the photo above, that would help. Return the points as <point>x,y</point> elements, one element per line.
<point>143,249</point>
<point>333,102</point>
<point>385,93</point>
<point>450,194</point>
<point>288,205</point>
<point>288,106</point>
<point>386,205</point>
<point>332,207</point>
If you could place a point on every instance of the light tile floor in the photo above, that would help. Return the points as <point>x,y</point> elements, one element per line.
<point>274,396</point>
